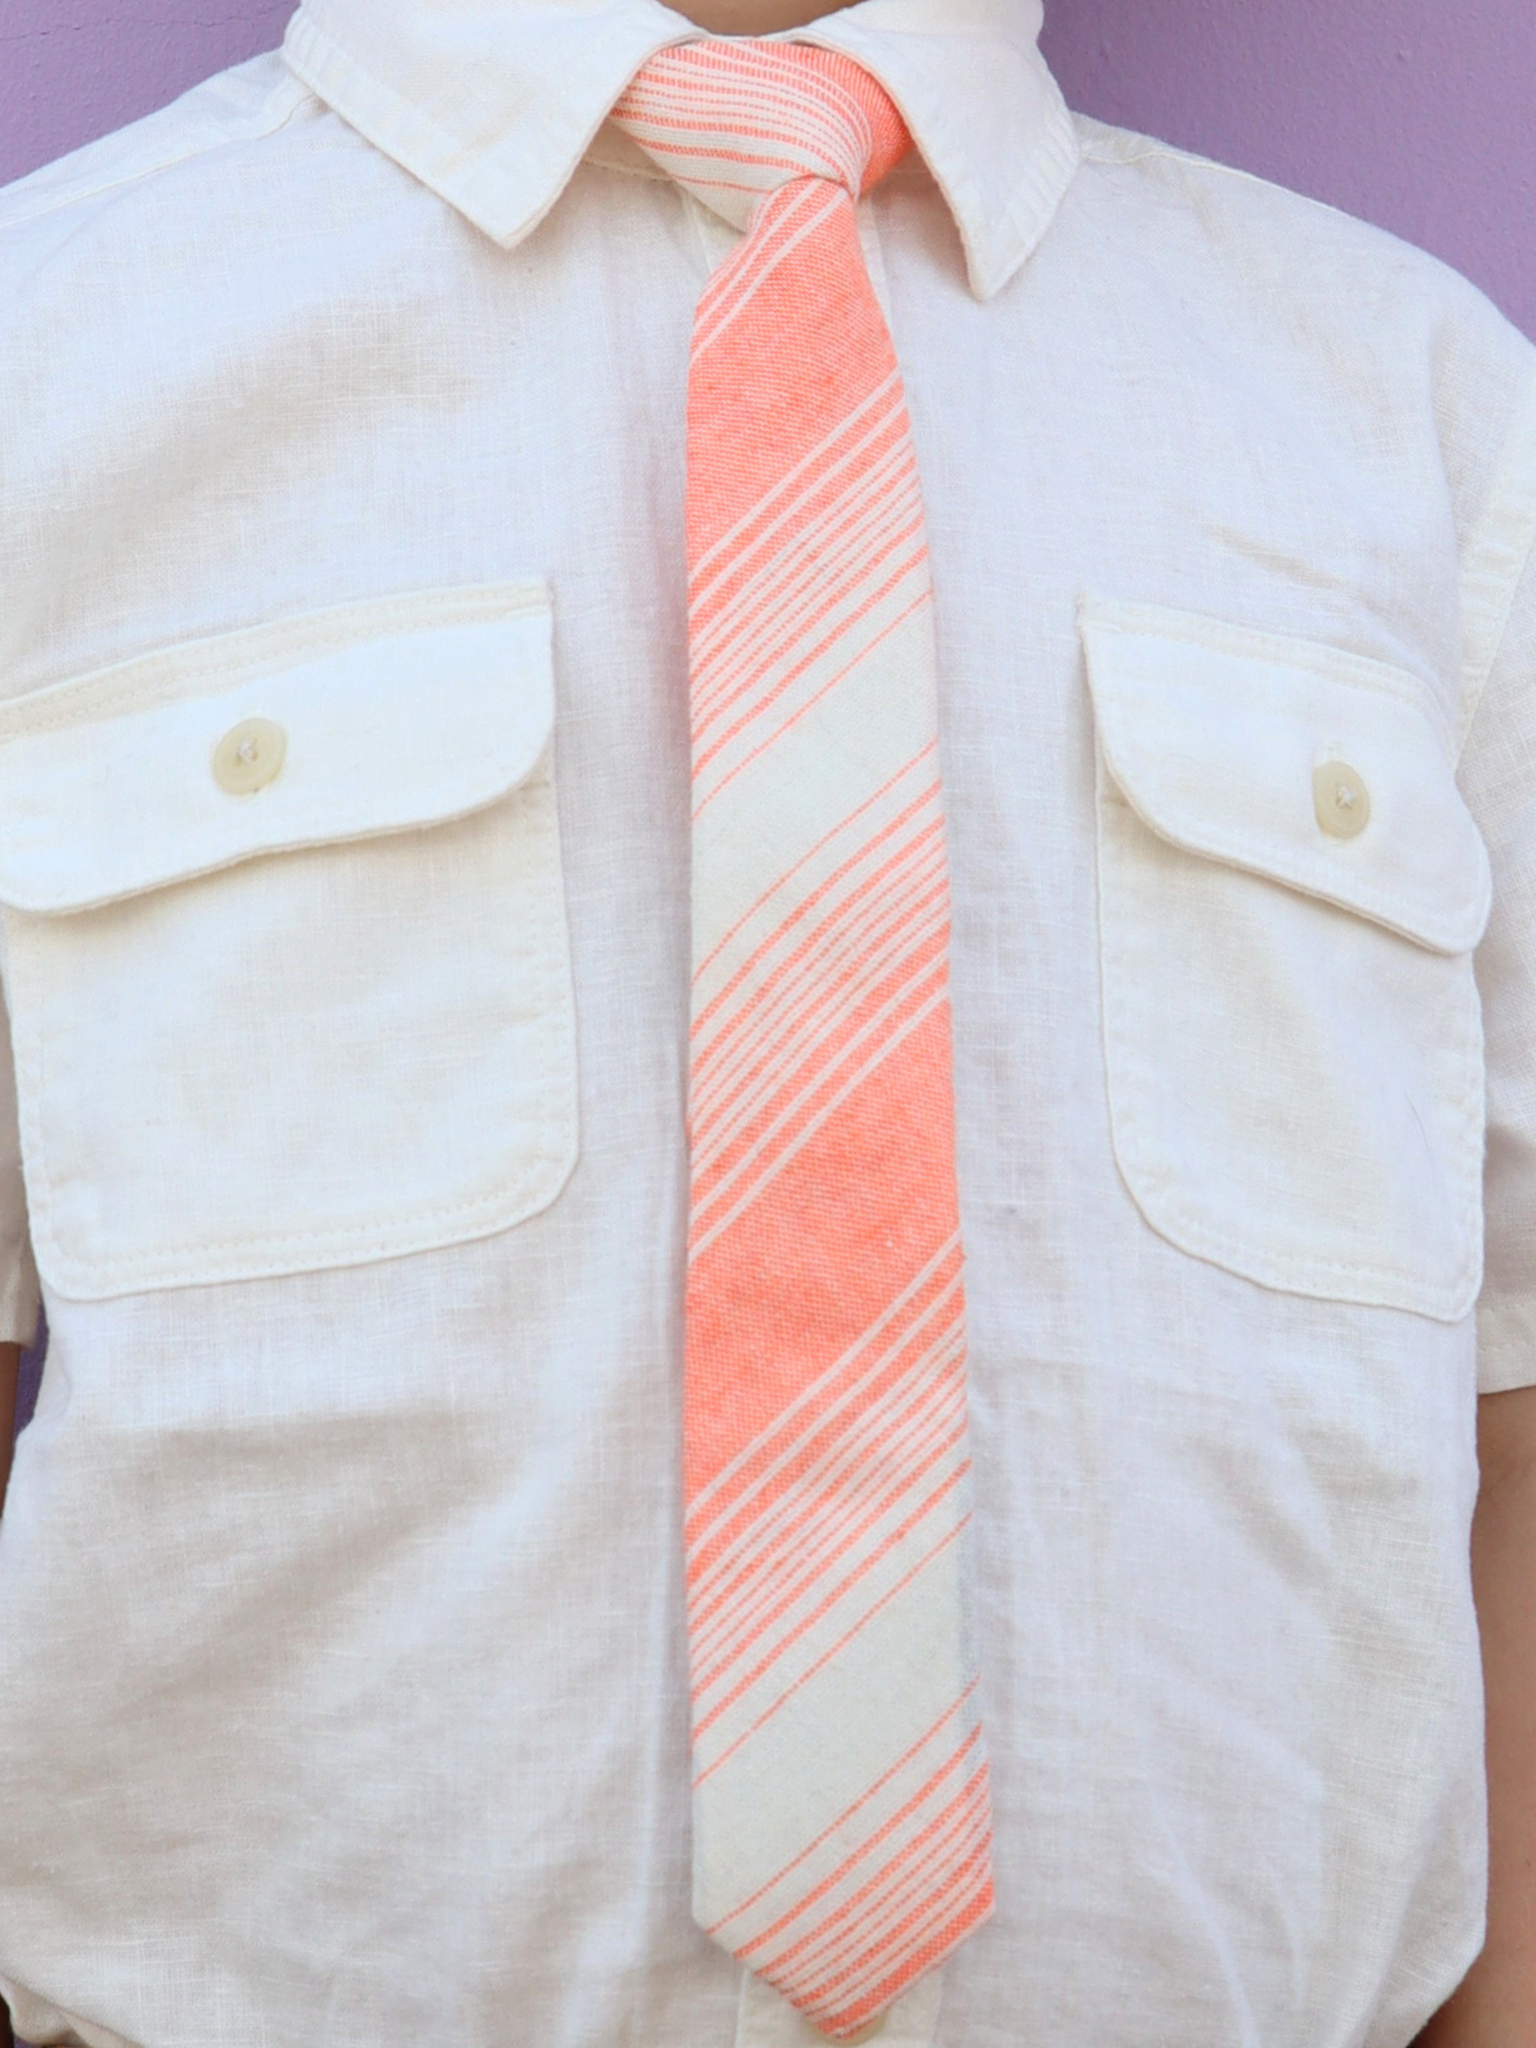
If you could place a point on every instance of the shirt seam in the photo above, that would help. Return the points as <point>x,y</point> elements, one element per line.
<point>1322,658</point>
<point>246,654</point>
<point>606,163</point>
<point>290,94</point>
<point>1505,1321</point>
<point>1150,147</point>
<point>1498,554</point>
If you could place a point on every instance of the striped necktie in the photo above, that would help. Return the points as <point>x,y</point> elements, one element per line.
<point>842,1832</point>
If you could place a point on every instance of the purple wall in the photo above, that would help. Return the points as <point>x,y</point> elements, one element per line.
<point>1419,114</point>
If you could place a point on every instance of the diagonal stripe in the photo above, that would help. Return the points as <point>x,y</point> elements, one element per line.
<point>825,1943</point>
<point>929,1435</point>
<point>790,492</point>
<point>842,1819</point>
<point>829,866</point>
<point>717,1502</point>
<point>887,621</point>
<point>869,1056</point>
<point>804,1522</point>
<point>795,1006</point>
<point>889,1590</point>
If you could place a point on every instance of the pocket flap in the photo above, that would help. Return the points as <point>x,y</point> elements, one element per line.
<point>397,713</point>
<point>1214,734</point>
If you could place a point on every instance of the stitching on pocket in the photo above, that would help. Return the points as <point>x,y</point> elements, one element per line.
<point>1255,858</point>
<point>360,1241</point>
<point>1154,1188</point>
<point>169,674</point>
<point>1333,664</point>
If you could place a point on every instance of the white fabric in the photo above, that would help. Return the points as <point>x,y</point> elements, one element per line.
<point>341,1660</point>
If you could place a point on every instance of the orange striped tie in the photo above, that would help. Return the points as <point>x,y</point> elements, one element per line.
<point>842,1832</point>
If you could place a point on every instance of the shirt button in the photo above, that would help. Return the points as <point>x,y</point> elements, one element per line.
<point>1342,799</point>
<point>249,756</point>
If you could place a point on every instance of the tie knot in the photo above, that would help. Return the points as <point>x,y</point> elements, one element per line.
<point>735,120</point>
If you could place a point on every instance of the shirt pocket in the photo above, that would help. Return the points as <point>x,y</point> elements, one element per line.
<point>285,945</point>
<point>1290,889</point>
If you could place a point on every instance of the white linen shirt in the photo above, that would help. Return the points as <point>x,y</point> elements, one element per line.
<point>342,1691</point>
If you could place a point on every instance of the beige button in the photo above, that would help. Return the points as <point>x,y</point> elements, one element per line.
<point>249,756</point>
<point>1342,799</point>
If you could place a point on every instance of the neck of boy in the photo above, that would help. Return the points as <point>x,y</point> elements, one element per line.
<point>756,17</point>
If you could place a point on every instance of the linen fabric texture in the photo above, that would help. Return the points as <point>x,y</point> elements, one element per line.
<point>841,1830</point>
<point>343,1663</point>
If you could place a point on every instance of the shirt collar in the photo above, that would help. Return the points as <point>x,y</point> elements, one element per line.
<point>493,103</point>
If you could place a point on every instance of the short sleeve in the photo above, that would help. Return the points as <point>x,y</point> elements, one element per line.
<point>19,1297</point>
<point>1498,779</point>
